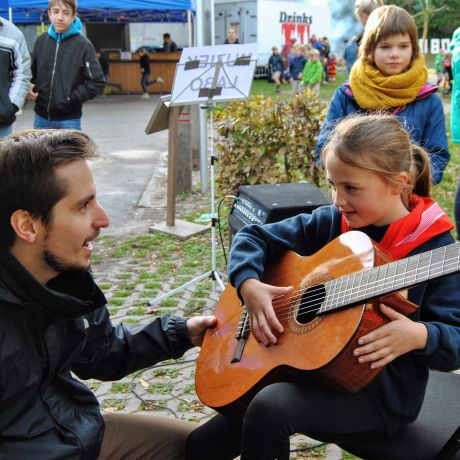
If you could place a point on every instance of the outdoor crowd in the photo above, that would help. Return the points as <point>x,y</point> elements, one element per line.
<point>304,66</point>
<point>383,146</point>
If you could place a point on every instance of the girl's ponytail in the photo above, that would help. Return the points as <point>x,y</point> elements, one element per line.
<point>422,174</point>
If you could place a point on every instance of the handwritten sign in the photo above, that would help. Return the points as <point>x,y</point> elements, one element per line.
<point>214,73</point>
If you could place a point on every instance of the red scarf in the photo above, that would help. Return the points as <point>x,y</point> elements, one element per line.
<point>425,221</point>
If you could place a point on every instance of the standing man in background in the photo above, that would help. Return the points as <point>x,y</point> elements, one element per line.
<point>14,74</point>
<point>65,70</point>
<point>168,45</point>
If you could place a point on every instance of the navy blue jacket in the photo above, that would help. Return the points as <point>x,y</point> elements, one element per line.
<point>423,119</point>
<point>276,63</point>
<point>399,389</point>
<point>46,334</point>
<point>296,65</point>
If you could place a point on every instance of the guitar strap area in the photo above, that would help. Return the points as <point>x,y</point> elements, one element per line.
<point>425,221</point>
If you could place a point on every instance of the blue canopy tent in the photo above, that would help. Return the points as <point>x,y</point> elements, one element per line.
<point>107,11</point>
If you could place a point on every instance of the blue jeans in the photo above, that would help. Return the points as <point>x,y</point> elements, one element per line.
<point>40,123</point>
<point>6,130</point>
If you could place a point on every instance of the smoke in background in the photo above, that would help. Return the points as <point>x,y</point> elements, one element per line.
<point>344,24</point>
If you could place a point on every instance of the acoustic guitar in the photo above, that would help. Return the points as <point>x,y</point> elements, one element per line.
<point>334,302</point>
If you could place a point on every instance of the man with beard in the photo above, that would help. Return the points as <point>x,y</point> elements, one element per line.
<point>53,317</point>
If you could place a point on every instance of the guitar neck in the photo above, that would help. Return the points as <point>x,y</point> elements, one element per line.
<point>385,279</point>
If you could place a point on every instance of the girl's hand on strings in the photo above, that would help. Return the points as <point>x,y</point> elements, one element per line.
<point>392,340</point>
<point>258,298</point>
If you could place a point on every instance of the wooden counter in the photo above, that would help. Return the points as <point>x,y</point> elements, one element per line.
<point>128,73</point>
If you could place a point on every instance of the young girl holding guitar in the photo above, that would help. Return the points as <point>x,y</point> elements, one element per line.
<point>380,185</point>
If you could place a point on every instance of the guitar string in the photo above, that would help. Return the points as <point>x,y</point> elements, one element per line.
<point>406,274</point>
<point>308,304</point>
<point>409,262</point>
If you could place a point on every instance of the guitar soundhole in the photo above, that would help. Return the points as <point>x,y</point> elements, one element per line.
<point>310,303</point>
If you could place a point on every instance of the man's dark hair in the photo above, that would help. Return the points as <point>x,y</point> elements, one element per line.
<point>166,35</point>
<point>72,4</point>
<point>27,172</point>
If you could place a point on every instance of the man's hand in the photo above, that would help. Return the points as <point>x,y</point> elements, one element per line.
<point>197,326</point>
<point>32,95</point>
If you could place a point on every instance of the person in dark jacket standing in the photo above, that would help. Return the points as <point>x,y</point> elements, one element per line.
<point>54,321</point>
<point>14,74</point>
<point>168,45</point>
<point>65,70</point>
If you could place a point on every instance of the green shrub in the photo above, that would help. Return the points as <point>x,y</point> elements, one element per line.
<point>267,141</point>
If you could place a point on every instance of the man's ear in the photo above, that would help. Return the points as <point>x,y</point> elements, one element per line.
<point>24,225</point>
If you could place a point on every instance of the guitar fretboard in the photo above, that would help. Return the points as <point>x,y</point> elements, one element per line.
<point>395,276</point>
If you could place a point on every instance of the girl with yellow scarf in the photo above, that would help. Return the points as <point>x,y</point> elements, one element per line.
<point>390,76</point>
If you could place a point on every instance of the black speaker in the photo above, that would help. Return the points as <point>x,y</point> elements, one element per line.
<point>266,203</point>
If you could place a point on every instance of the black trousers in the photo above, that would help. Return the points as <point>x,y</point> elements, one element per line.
<point>281,410</point>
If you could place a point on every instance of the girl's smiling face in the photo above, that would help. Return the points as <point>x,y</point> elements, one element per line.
<point>393,54</point>
<point>362,196</point>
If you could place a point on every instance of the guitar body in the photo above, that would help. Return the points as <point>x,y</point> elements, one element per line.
<point>319,348</point>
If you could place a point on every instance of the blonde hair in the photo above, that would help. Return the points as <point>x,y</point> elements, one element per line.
<point>314,52</point>
<point>380,144</point>
<point>366,6</point>
<point>383,22</point>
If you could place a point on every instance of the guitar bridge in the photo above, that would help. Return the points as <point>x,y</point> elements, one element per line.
<point>242,334</point>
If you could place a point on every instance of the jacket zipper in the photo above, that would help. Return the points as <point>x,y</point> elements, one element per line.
<point>89,69</point>
<point>52,80</point>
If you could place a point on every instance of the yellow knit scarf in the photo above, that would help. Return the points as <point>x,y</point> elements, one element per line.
<point>373,90</point>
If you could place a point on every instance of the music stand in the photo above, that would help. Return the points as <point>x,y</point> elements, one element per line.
<point>207,75</point>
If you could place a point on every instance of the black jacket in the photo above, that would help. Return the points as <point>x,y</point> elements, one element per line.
<point>65,74</point>
<point>47,332</point>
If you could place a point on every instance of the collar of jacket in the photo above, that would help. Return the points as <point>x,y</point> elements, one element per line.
<point>74,29</point>
<point>69,295</point>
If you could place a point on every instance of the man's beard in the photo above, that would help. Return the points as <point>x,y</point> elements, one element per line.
<point>59,265</point>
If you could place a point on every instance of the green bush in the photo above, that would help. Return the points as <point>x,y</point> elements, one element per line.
<point>266,141</point>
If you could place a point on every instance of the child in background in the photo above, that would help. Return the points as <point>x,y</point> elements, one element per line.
<point>332,67</point>
<point>296,65</point>
<point>438,67</point>
<point>312,74</point>
<point>276,67</point>
<point>380,185</point>
<point>144,62</point>
<point>447,69</point>
<point>391,76</point>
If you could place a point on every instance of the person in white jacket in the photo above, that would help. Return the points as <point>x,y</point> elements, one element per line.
<point>15,74</point>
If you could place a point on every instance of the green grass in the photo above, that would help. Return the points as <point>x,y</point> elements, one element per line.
<point>267,89</point>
